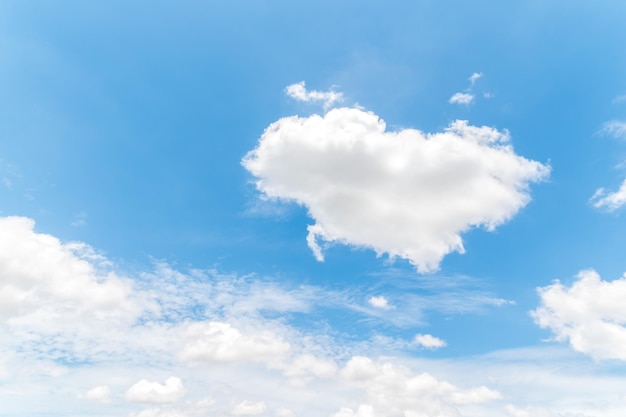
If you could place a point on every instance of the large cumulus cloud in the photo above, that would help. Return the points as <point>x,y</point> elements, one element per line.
<point>404,193</point>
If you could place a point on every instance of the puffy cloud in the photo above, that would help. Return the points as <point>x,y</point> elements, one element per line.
<point>306,366</point>
<point>428,341</point>
<point>609,201</point>
<point>590,315</point>
<point>44,281</point>
<point>407,194</point>
<point>249,408</point>
<point>461,98</point>
<point>99,394</point>
<point>379,302</point>
<point>145,391</point>
<point>615,128</point>
<point>394,390</point>
<point>220,342</point>
<point>299,92</point>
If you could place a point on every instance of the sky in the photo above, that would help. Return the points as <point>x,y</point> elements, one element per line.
<point>314,208</point>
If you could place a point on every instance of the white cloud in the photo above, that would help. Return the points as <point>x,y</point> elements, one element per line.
<point>249,408</point>
<point>43,280</point>
<point>99,394</point>
<point>305,367</point>
<point>299,92</point>
<point>220,342</point>
<point>615,128</point>
<point>284,412</point>
<point>379,302</point>
<point>533,411</point>
<point>609,201</point>
<point>461,98</point>
<point>475,77</point>
<point>394,390</point>
<point>407,194</point>
<point>590,315</point>
<point>428,341</point>
<point>145,391</point>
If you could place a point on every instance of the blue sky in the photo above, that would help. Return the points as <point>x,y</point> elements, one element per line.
<point>312,209</point>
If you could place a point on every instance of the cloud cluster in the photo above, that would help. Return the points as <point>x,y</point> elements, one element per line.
<point>220,342</point>
<point>394,391</point>
<point>407,193</point>
<point>590,314</point>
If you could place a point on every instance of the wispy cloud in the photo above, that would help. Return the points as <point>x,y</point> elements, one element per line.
<point>299,92</point>
<point>610,201</point>
<point>614,128</point>
<point>475,77</point>
<point>467,96</point>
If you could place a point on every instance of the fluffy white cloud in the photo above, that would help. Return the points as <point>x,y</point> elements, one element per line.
<point>461,98</point>
<point>220,342</point>
<point>379,302</point>
<point>145,391</point>
<point>609,201</point>
<point>249,408</point>
<point>429,341</point>
<point>406,193</point>
<point>50,286</point>
<point>99,394</point>
<point>590,315</point>
<point>394,390</point>
<point>305,367</point>
<point>299,92</point>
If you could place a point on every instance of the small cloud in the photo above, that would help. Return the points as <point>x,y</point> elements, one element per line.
<point>379,302</point>
<point>7,183</point>
<point>461,98</point>
<point>299,92</point>
<point>284,412</point>
<point>614,128</point>
<point>488,95</point>
<point>609,201</point>
<point>249,408</point>
<point>99,394</point>
<point>474,77</point>
<point>428,341</point>
<point>145,391</point>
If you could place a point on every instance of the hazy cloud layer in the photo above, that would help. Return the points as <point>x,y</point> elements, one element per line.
<point>408,194</point>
